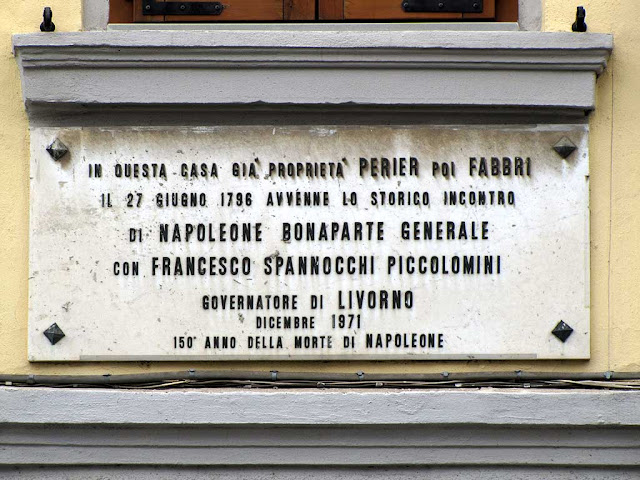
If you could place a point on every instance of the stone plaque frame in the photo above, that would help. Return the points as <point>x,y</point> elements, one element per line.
<point>495,287</point>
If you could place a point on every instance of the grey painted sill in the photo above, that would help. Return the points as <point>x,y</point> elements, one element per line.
<point>319,407</point>
<point>311,429</point>
<point>284,69</point>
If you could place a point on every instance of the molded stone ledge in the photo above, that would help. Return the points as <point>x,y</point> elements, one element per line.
<point>71,428</point>
<point>284,69</point>
<point>497,407</point>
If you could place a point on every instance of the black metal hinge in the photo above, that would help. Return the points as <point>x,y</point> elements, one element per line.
<point>151,7</point>
<point>448,6</point>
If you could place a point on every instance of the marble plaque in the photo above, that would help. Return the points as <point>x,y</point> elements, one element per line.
<point>309,243</point>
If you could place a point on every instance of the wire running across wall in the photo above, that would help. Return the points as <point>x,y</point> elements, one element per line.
<point>193,379</point>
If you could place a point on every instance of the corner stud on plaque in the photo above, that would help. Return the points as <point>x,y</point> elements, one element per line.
<point>562,331</point>
<point>54,333</point>
<point>565,147</point>
<point>57,149</point>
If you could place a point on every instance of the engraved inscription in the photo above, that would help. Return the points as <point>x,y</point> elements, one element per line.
<point>309,243</point>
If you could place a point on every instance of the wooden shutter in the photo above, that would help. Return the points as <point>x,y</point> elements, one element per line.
<point>129,11</point>
<point>392,10</point>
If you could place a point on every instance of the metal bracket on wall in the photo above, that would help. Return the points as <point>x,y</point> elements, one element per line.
<point>153,7</point>
<point>448,6</point>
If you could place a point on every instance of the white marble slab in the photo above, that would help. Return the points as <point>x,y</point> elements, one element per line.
<point>532,248</point>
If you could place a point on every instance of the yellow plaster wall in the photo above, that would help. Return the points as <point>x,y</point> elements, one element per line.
<point>615,208</point>
<point>619,119</point>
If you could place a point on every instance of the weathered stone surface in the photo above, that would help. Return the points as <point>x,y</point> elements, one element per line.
<point>489,281</point>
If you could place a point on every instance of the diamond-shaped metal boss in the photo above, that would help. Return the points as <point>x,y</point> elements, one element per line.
<point>564,147</point>
<point>54,333</point>
<point>562,331</point>
<point>57,149</point>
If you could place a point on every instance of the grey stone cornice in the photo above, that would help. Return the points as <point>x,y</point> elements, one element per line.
<point>372,67</point>
<point>506,407</point>
<point>275,429</point>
